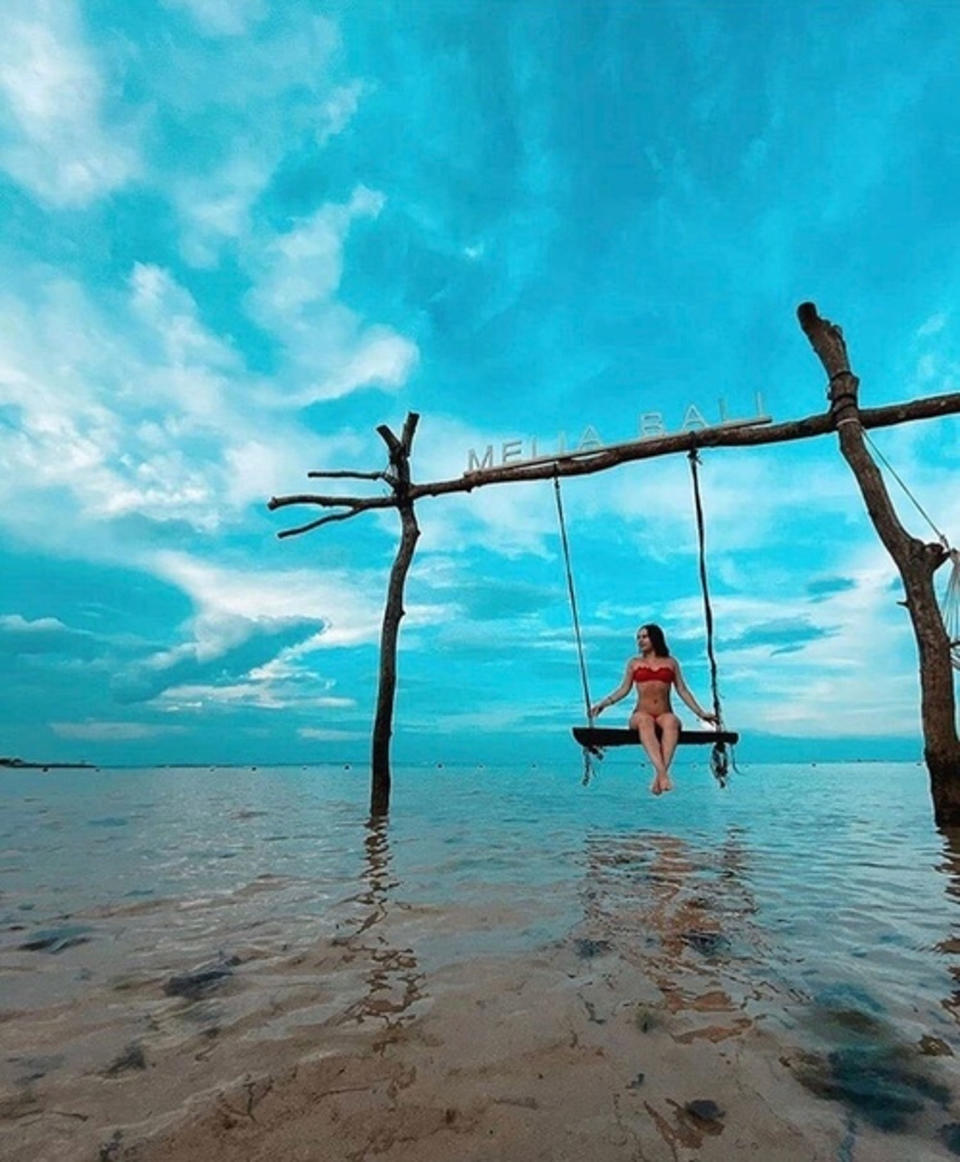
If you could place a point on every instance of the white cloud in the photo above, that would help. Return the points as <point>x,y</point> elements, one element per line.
<point>338,110</point>
<point>330,350</point>
<point>934,325</point>
<point>60,145</point>
<point>135,408</point>
<point>216,207</point>
<point>306,264</point>
<point>322,734</point>
<point>132,408</point>
<point>263,695</point>
<point>13,622</point>
<point>223,17</point>
<point>93,731</point>
<point>59,369</point>
<point>258,467</point>
<point>188,374</point>
<point>232,605</point>
<point>261,99</point>
<point>348,604</point>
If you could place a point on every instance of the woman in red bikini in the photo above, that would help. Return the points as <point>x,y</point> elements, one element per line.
<point>652,672</point>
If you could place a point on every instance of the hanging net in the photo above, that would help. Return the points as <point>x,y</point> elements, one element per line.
<point>950,607</point>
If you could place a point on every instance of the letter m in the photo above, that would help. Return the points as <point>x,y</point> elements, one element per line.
<point>475,465</point>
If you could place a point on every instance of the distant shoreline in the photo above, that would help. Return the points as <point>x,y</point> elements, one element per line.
<point>25,765</point>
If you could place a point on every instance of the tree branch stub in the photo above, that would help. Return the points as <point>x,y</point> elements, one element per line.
<point>347,475</point>
<point>409,428</point>
<point>389,439</point>
<point>315,524</point>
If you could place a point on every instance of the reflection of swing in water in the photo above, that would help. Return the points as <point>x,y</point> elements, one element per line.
<point>682,916</point>
<point>593,738</point>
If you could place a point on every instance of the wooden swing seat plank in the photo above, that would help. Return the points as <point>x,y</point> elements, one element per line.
<point>603,736</point>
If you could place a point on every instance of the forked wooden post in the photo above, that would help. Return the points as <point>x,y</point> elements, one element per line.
<point>397,476</point>
<point>393,612</point>
<point>916,561</point>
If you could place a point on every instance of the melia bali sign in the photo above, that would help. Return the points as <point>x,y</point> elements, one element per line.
<point>649,426</point>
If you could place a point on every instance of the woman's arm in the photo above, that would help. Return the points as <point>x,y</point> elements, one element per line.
<point>621,692</point>
<point>684,691</point>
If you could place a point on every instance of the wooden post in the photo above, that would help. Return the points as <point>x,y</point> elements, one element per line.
<point>916,561</point>
<point>399,479</point>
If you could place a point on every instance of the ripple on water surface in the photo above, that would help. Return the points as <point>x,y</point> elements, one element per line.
<point>821,900</point>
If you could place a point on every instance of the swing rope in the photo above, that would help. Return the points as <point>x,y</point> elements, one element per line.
<point>950,603</point>
<point>587,763</point>
<point>719,761</point>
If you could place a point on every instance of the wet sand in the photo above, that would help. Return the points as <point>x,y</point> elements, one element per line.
<point>638,1037</point>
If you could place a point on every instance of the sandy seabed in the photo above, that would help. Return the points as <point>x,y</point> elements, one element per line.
<point>642,1049</point>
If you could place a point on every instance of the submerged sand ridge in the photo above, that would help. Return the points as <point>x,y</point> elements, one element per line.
<point>546,1057</point>
<point>658,1028</point>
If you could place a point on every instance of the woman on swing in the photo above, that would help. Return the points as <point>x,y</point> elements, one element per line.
<point>652,672</point>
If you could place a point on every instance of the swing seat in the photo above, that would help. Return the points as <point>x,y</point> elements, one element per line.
<point>596,738</point>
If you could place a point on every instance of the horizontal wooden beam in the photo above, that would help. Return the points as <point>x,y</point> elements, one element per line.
<point>587,453</point>
<point>730,435</point>
<point>719,436</point>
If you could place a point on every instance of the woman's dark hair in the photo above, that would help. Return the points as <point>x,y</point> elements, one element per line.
<point>657,640</point>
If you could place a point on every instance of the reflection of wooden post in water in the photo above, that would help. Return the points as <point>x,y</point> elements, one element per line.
<point>951,945</point>
<point>393,982</point>
<point>377,847</point>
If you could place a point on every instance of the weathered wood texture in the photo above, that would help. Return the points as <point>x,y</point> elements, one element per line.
<point>393,612</point>
<point>916,561</point>
<point>602,736</point>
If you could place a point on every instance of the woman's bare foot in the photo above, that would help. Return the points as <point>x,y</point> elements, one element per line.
<point>661,783</point>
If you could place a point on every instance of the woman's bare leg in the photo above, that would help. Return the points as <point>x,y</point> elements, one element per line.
<point>670,733</point>
<point>646,727</point>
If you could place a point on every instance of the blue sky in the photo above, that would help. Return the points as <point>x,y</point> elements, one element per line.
<point>237,235</point>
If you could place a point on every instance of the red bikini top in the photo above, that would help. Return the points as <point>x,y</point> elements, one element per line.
<point>646,674</point>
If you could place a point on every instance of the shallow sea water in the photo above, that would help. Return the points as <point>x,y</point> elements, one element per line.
<point>822,895</point>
